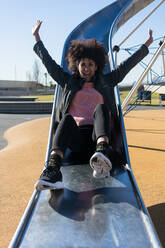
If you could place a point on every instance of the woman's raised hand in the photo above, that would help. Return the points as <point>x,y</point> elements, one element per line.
<point>35,30</point>
<point>150,39</point>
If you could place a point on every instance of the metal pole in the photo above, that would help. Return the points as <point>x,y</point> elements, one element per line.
<point>162,56</point>
<point>142,22</point>
<point>163,60</point>
<point>46,80</point>
<point>139,82</point>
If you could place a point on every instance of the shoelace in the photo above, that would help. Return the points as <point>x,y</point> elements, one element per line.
<point>51,162</point>
<point>49,171</point>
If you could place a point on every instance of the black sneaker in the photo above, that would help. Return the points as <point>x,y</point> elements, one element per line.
<point>51,177</point>
<point>100,161</point>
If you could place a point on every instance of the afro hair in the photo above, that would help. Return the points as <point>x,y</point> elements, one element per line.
<point>91,49</point>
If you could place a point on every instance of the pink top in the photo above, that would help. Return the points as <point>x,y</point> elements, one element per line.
<point>84,103</point>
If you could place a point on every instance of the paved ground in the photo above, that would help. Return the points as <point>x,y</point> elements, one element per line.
<point>22,161</point>
<point>10,120</point>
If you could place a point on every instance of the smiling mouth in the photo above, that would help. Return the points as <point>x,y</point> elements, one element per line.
<point>87,74</point>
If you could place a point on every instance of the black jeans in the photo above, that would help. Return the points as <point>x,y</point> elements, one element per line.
<point>81,138</point>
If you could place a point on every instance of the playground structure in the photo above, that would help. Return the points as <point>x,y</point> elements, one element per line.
<point>152,81</point>
<point>70,218</point>
<point>142,77</point>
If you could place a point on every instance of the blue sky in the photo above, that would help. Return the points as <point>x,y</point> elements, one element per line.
<point>59,19</point>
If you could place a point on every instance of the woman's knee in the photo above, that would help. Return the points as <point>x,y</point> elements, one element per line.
<point>68,121</point>
<point>67,117</point>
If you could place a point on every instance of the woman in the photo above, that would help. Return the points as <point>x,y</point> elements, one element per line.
<point>85,108</point>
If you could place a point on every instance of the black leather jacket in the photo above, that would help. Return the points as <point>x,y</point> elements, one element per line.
<point>103,83</point>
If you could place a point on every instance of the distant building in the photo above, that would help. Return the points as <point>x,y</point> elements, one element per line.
<point>18,88</point>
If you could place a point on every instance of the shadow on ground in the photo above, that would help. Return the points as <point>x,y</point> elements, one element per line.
<point>157,213</point>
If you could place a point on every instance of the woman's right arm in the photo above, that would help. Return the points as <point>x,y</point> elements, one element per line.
<point>54,70</point>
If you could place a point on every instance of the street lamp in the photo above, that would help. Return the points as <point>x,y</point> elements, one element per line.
<point>45,74</point>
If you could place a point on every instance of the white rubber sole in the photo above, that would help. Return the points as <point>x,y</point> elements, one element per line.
<point>44,185</point>
<point>101,165</point>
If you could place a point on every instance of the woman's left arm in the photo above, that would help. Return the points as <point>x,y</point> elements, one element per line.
<point>118,74</point>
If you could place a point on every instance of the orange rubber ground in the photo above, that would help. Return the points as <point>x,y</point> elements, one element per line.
<point>22,162</point>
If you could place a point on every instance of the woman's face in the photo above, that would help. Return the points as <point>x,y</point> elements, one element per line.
<point>87,68</point>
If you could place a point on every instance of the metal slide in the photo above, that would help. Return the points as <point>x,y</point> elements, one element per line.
<point>91,213</point>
